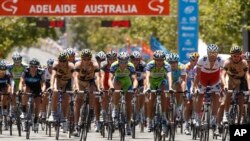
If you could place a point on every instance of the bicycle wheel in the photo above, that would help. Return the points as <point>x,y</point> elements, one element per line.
<point>85,117</point>
<point>110,122</point>
<point>18,124</point>
<point>133,122</point>
<point>57,126</point>
<point>122,122</point>
<point>1,125</point>
<point>10,125</point>
<point>225,130</point>
<point>27,124</point>
<point>142,120</point>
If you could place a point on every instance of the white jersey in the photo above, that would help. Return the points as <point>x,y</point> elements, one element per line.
<point>47,75</point>
<point>204,64</point>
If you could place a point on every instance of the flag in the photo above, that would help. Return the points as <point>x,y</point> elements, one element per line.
<point>156,45</point>
<point>146,49</point>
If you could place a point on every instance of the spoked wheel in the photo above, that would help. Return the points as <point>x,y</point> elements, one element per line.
<point>225,130</point>
<point>57,130</point>
<point>110,131</point>
<point>172,131</point>
<point>28,130</point>
<point>84,131</point>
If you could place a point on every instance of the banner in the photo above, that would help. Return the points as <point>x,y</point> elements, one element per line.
<point>83,7</point>
<point>187,28</point>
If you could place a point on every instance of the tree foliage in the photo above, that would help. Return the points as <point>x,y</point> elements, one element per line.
<point>18,32</point>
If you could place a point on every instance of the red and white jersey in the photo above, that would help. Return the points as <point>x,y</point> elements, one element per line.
<point>204,64</point>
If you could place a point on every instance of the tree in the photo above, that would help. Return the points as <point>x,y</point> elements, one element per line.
<point>19,32</point>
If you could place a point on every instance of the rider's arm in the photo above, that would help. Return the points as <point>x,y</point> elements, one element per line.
<point>197,77</point>
<point>53,75</point>
<point>76,76</point>
<point>21,83</point>
<point>169,76</point>
<point>247,77</point>
<point>97,76</point>
<point>111,85</point>
<point>102,79</point>
<point>224,75</point>
<point>146,81</point>
<point>43,85</point>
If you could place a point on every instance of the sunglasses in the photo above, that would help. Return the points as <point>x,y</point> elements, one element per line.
<point>136,59</point>
<point>123,62</point>
<point>172,62</point>
<point>159,60</point>
<point>63,61</point>
<point>213,53</point>
<point>86,59</point>
<point>236,56</point>
<point>33,66</point>
<point>194,60</point>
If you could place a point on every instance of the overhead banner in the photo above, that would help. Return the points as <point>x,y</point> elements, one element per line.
<point>83,7</point>
<point>188,23</point>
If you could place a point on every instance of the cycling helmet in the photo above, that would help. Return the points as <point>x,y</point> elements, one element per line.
<point>3,65</point>
<point>86,53</point>
<point>235,49</point>
<point>135,55</point>
<point>34,62</point>
<point>111,54</point>
<point>173,57</point>
<point>16,56</point>
<point>63,56</point>
<point>158,54</point>
<point>50,62</point>
<point>212,48</point>
<point>100,56</point>
<point>123,56</point>
<point>70,52</point>
<point>247,55</point>
<point>194,56</point>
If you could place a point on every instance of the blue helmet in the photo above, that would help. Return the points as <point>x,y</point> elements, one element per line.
<point>50,62</point>
<point>135,55</point>
<point>158,54</point>
<point>173,57</point>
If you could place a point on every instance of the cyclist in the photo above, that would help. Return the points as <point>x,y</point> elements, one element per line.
<point>105,70</point>
<point>236,72</point>
<point>122,76</point>
<point>247,57</point>
<point>158,76</point>
<point>191,72</point>
<point>100,57</point>
<point>62,74</point>
<point>178,82</point>
<point>208,75</point>
<point>140,65</point>
<point>32,81</point>
<point>5,88</point>
<point>16,70</point>
<point>71,55</point>
<point>48,72</point>
<point>86,78</point>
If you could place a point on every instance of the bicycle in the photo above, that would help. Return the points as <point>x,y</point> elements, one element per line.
<point>171,115</point>
<point>205,118</point>
<point>18,113</point>
<point>57,123</point>
<point>85,117</point>
<point>48,112</point>
<point>233,112</point>
<point>3,116</point>
<point>102,115</point>
<point>109,119</point>
<point>28,121</point>
<point>122,117</point>
<point>71,113</point>
<point>158,116</point>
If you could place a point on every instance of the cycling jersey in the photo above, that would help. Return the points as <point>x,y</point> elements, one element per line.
<point>209,76</point>
<point>191,72</point>
<point>177,73</point>
<point>157,75</point>
<point>105,67</point>
<point>16,72</point>
<point>123,77</point>
<point>5,81</point>
<point>47,77</point>
<point>33,82</point>
<point>63,75</point>
<point>236,73</point>
<point>140,69</point>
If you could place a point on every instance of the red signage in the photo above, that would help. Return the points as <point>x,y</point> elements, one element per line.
<point>116,23</point>
<point>83,7</point>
